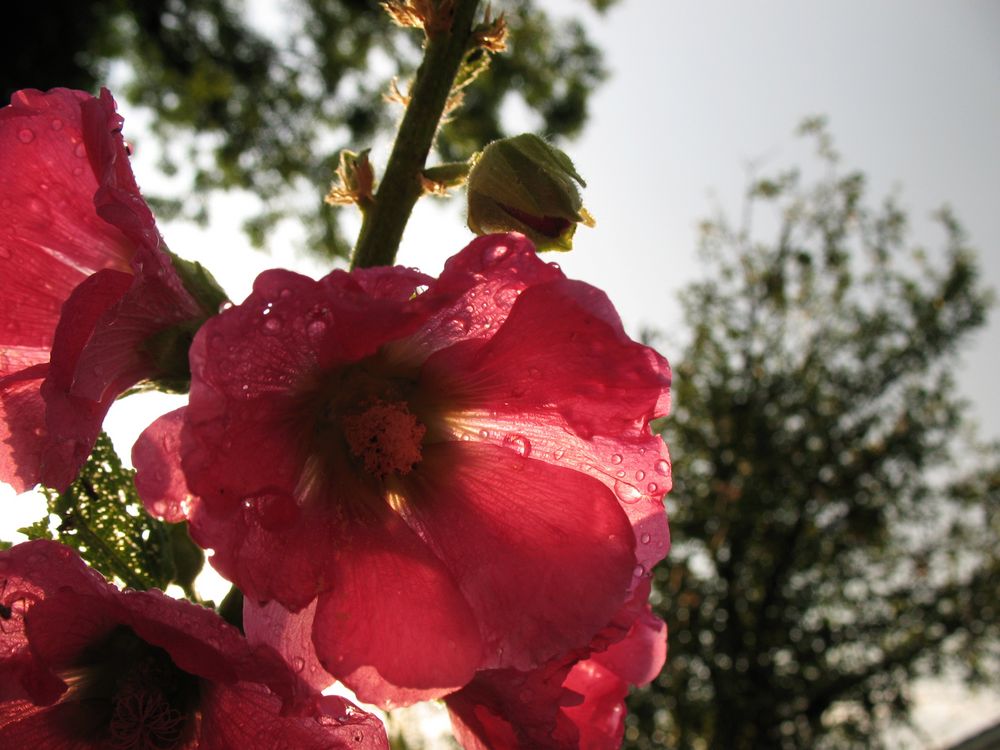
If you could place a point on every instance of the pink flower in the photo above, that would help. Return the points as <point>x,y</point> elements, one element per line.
<point>428,477</point>
<point>84,665</point>
<point>574,702</point>
<point>83,277</point>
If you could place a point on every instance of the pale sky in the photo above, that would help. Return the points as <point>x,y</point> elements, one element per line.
<point>698,90</point>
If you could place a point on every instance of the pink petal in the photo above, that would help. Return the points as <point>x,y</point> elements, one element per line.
<point>25,725</point>
<point>561,382</point>
<point>393,626</point>
<point>600,717</point>
<point>22,427</point>
<point>290,634</point>
<point>159,478</point>
<point>471,298</point>
<point>45,252</point>
<point>242,716</point>
<point>543,554</point>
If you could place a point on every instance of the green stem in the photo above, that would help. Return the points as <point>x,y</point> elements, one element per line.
<point>384,222</point>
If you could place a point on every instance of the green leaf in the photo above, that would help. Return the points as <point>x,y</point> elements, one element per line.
<point>101,517</point>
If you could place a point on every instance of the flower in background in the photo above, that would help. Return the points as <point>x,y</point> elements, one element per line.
<point>428,478</point>
<point>84,665</point>
<point>91,300</point>
<point>575,702</point>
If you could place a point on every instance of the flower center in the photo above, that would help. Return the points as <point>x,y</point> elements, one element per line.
<point>385,436</point>
<point>130,695</point>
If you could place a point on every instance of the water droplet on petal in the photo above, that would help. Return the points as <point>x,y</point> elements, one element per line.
<point>316,329</point>
<point>273,510</point>
<point>298,663</point>
<point>80,151</point>
<point>484,434</point>
<point>616,459</point>
<point>651,487</point>
<point>644,539</point>
<point>495,253</point>
<point>662,467</point>
<point>26,135</point>
<point>558,454</point>
<point>273,325</point>
<point>57,124</point>
<point>639,570</point>
<point>519,443</point>
<point>640,475</point>
<point>626,492</point>
<point>225,306</point>
<point>620,473</point>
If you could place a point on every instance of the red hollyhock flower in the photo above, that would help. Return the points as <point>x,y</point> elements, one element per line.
<point>438,476</point>
<point>570,703</point>
<point>84,280</point>
<point>84,665</point>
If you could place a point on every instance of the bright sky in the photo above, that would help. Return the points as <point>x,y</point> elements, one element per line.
<point>698,91</point>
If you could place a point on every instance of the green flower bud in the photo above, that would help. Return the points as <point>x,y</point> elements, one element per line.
<point>522,184</point>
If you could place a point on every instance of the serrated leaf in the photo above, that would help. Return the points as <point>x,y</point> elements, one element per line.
<point>101,517</point>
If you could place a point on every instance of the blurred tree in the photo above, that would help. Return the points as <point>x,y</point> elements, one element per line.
<point>832,539</point>
<point>270,112</point>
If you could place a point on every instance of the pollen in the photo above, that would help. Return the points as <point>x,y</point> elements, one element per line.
<point>386,437</point>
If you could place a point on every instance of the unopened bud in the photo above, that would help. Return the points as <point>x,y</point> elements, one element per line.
<point>522,184</point>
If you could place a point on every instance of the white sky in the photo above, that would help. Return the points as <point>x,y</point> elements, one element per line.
<point>698,90</point>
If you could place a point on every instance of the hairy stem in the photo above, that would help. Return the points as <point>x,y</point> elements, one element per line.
<point>385,220</point>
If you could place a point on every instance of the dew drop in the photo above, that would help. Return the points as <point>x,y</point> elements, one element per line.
<point>285,293</point>
<point>640,475</point>
<point>616,459</point>
<point>80,151</point>
<point>626,492</point>
<point>519,443</point>
<point>652,487</point>
<point>644,539</point>
<point>272,324</point>
<point>484,434</point>
<point>620,474</point>
<point>26,135</point>
<point>298,663</point>
<point>638,571</point>
<point>558,454</point>
<point>57,124</point>
<point>316,329</point>
<point>273,510</point>
<point>225,306</point>
<point>495,253</point>
<point>662,467</point>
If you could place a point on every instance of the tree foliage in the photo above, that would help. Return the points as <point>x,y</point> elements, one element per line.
<point>235,107</point>
<point>833,535</point>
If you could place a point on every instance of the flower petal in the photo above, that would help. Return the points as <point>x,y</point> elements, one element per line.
<point>563,383</point>
<point>543,554</point>
<point>159,478</point>
<point>471,298</point>
<point>45,253</point>
<point>243,716</point>
<point>22,427</point>
<point>393,626</point>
